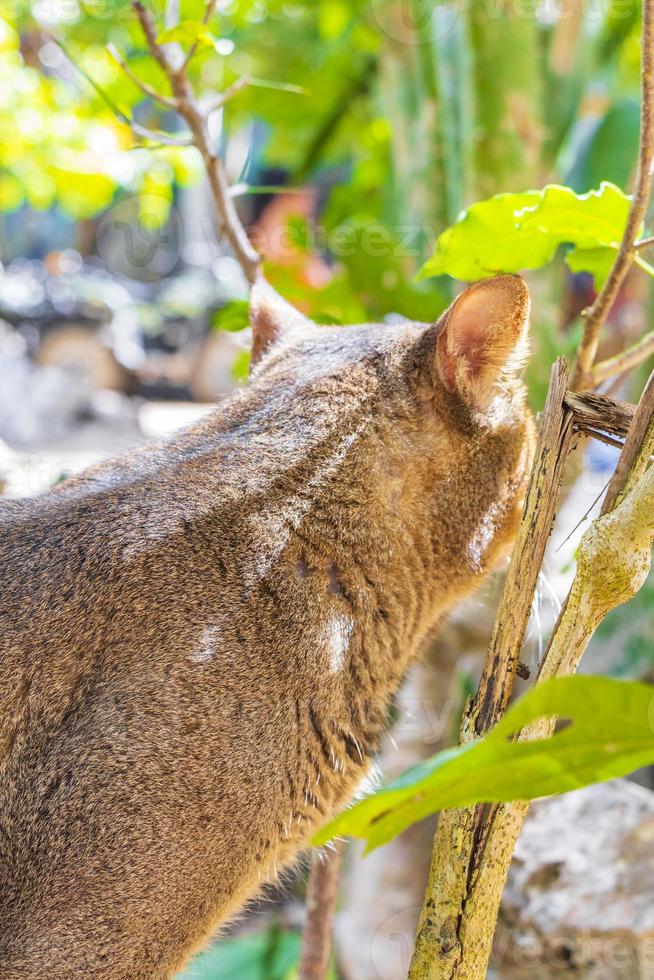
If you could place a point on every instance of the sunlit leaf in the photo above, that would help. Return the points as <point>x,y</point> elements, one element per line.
<point>610,733</point>
<point>485,240</point>
<point>585,220</point>
<point>187,32</point>
<point>512,232</point>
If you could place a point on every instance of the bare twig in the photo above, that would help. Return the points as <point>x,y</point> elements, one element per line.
<point>150,33</point>
<point>160,138</point>
<point>247,256</point>
<point>143,132</point>
<point>640,424</point>
<point>596,315</point>
<point>321,904</point>
<point>228,93</point>
<point>152,93</point>
<point>209,11</point>
<point>626,360</point>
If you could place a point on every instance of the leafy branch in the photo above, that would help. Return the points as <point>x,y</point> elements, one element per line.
<point>597,314</point>
<point>184,102</point>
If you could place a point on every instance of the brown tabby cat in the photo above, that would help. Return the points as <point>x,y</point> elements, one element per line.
<point>199,640</point>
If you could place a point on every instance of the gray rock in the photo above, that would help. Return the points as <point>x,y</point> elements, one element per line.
<point>579,900</point>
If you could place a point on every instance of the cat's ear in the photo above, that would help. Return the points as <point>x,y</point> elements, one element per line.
<point>483,338</point>
<point>270,317</point>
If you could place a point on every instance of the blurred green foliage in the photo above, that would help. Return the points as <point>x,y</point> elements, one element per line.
<point>384,104</point>
<point>269,955</point>
<point>632,630</point>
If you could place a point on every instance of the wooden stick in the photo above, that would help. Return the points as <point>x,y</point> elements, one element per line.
<point>593,412</point>
<point>496,684</point>
<point>640,425</point>
<point>459,843</point>
<point>583,370</point>
<point>321,904</point>
<point>625,360</point>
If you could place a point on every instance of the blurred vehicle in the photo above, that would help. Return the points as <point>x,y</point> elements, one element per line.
<point>146,338</point>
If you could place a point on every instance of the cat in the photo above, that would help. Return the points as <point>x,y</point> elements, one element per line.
<point>200,639</point>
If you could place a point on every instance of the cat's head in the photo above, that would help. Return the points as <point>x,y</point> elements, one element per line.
<point>426,425</point>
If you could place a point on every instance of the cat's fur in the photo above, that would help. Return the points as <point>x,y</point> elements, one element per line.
<point>200,640</point>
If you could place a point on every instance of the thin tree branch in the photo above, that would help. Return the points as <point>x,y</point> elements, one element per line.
<point>208,14</point>
<point>321,905</point>
<point>598,312</point>
<point>186,105</point>
<point>644,243</point>
<point>228,93</point>
<point>137,128</point>
<point>640,424</point>
<point>149,29</point>
<point>151,93</point>
<point>156,135</point>
<point>625,360</point>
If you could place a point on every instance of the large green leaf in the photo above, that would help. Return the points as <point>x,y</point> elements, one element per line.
<point>610,733</point>
<point>512,232</point>
<point>485,240</point>
<point>585,220</point>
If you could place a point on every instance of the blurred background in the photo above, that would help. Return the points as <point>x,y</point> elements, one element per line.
<point>367,126</point>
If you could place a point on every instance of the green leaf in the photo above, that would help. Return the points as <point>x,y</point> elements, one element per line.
<point>596,261</point>
<point>512,232</point>
<point>609,150</point>
<point>611,733</point>
<point>326,319</point>
<point>585,220</point>
<point>187,32</point>
<point>233,317</point>
<point>241,366</point>
<point>485,240</point>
